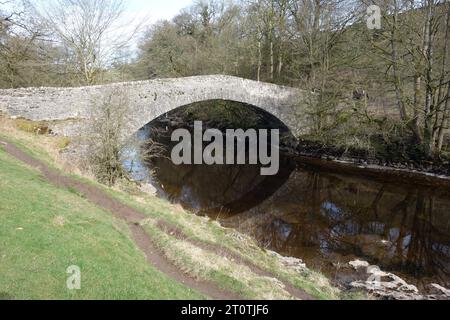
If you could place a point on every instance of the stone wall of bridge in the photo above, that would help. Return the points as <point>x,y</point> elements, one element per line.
<point>152,98</point>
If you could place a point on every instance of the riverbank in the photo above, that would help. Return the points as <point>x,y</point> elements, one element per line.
<point>398,162</point>
<point>233,263</point>
<point>195,256</point>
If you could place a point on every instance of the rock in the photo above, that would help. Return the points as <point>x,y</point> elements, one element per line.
<point>238,236</point>
<point>356,264</point>
<point>439,290</point>
<point>387,285</point>
<point>290,262</point>
<point>396,289</point>
<point>294,263</point>
<point>148,188</point>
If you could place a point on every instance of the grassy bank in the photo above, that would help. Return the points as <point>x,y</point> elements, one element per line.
<point>45,229</point>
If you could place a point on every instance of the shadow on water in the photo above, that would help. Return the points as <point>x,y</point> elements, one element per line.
<point>327,218</point>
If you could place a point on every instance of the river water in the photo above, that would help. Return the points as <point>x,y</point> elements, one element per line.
<point>325,216</point>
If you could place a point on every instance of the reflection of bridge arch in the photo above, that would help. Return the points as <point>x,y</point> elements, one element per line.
<point>207,197</point>
<point>257,194</point>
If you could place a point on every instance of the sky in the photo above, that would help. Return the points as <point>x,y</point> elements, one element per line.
<point>147,12</point>
<point>155,9</point>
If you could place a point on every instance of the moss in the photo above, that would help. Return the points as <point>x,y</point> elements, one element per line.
<point>63,143</point>
<point>32,126</point>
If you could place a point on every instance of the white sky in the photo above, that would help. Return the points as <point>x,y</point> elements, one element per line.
<point>147,12</point>
<point>155,9</point>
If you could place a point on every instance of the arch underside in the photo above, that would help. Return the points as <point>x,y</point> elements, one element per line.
<point>274,111</point>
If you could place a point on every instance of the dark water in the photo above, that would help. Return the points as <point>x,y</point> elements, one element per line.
<point>322,217</point>
<point>325,217</point>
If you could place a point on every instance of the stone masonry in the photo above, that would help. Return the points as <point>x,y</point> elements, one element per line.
<point>152,98</point>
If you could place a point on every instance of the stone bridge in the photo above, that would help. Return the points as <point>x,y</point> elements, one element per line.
<point>152,98</point>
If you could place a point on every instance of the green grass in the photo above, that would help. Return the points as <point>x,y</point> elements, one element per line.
<point>45,229</point>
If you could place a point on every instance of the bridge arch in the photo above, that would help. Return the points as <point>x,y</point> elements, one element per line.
<point>259,187</point>
<point>152,98</point>
<point>281,102</point>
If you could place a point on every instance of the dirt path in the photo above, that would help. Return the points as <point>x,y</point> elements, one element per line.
<point>159,261</point>
<point>131,216</point>
<point>225,252</point>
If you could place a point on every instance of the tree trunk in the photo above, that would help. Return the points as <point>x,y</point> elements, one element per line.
<point>272,61</point>
<point>445,121</point>
<point>429,142</point>
<point>416,121</point>
<point>395,73</point>
<point>441,95</point>
<point>258,75</point>
<point>280,64</point>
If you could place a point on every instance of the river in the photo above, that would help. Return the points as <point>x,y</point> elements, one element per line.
<point>326,217</point>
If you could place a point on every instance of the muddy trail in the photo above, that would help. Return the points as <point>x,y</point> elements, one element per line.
<point>143,241</point>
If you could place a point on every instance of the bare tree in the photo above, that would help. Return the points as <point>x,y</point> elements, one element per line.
<point>20,52</point>
<point>269,18</point>
<point>106,136</point>
<point>92,30</point>
<point>318,29</point>
<point>417,34</point>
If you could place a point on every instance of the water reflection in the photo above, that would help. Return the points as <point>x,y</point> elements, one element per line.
<point>323,218</point>
<point>327,218</point>
<point>218,190</point>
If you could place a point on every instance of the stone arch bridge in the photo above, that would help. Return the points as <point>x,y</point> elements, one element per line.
<point>151,98</point>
